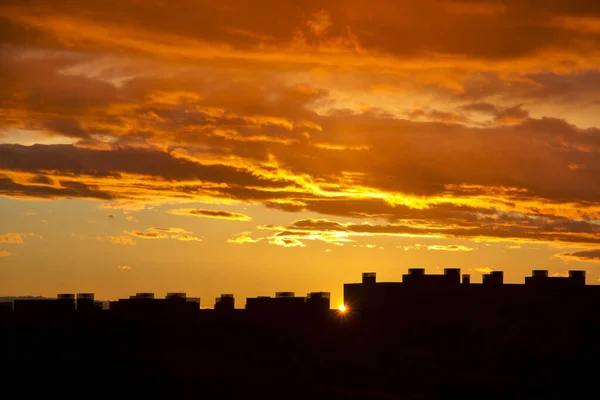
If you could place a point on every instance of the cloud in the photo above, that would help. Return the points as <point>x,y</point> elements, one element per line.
<point>110,216</point>
<point>437,247</point>
<point>128,237</point>
<point>147,234</point>
<point>368,246</point>
<point>168,230</point>
<point>496,228</point>
<point>124,267</point>
<point>4,253</point>
<point>121,239</point>
<point>476,8</point>
<point>17,238</point>
<point>186,237</point>
<point>484,270</point>
<point>452,247</point>
<point>286,242</point>
<point>243,238</point>
<point>512,115</point>
<point>11,237</point>
<point>314,119</point>
<point>585,255</point>
<point>210,214</point>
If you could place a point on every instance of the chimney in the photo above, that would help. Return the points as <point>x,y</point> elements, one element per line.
<point>577,277</point>
<point>452,274</point>
<point>466,279</point>
<point>494,278</point>
<point>540,273</point>
<point>416,271</point>
<point>369,277</point>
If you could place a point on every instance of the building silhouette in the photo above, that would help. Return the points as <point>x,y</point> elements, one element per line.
<point>225,303</point>
<point>430,336</point>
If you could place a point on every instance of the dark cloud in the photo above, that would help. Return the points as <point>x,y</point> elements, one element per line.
<point>490,29</point>
<point>300,108</point>
<point>147,234</point>
<point>586,255</point>
<point>514,114</point>
<point>81,161</point>
<point>42,180</point>
<point>484,108</point>
<point>519,228</point>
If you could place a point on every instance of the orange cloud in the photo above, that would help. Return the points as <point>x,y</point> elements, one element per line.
<point>17,238</point>
<point>477,8</point>
<point>121,239</point>
<point>147,234</point>
<point>243,238</point>
<point>210,214</point>
<point>451,247</point>
<point>315,119</point>
<point>585,255</point>
<point>186,237</point>
<point>4,253</point>
<point>11,237</point>
<point>286,242</point>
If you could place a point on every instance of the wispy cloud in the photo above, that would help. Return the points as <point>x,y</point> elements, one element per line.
<point>585,256</point>
<point>120,239</point>
<point>286,242</point>
<point>124,267</point>
<point>244,237</point>
<point>17,238</point>
<point>210,214</point>
<point>4,253</point>
<point>451,247</point>
<point>186,237</point>
<point>127,237</point>
<point>437,247</point>
<point>11,237</point>
<point>151,234</point>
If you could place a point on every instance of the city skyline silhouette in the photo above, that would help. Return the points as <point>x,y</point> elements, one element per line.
<point>430,336</point>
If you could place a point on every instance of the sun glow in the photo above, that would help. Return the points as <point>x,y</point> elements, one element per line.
<point>342,308</point>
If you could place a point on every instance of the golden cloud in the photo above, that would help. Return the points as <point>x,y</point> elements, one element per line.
<point>186,237</point>
<point>286,242</point>
<point>147,234</point>
<point>11,237</point>
<point>243,238</point>
<point>316,118</point>
<point>451,247</point>
<point>585,256</point>
<point>121,239</point>
<point>17,238</point>
<point>210,214</point>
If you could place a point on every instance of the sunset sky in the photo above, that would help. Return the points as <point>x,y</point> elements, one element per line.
<point>249,147</point>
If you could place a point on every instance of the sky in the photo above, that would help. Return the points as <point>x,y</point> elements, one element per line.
<point>243,147</point>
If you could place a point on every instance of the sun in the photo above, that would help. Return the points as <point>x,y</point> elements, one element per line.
<point>342,308</point>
